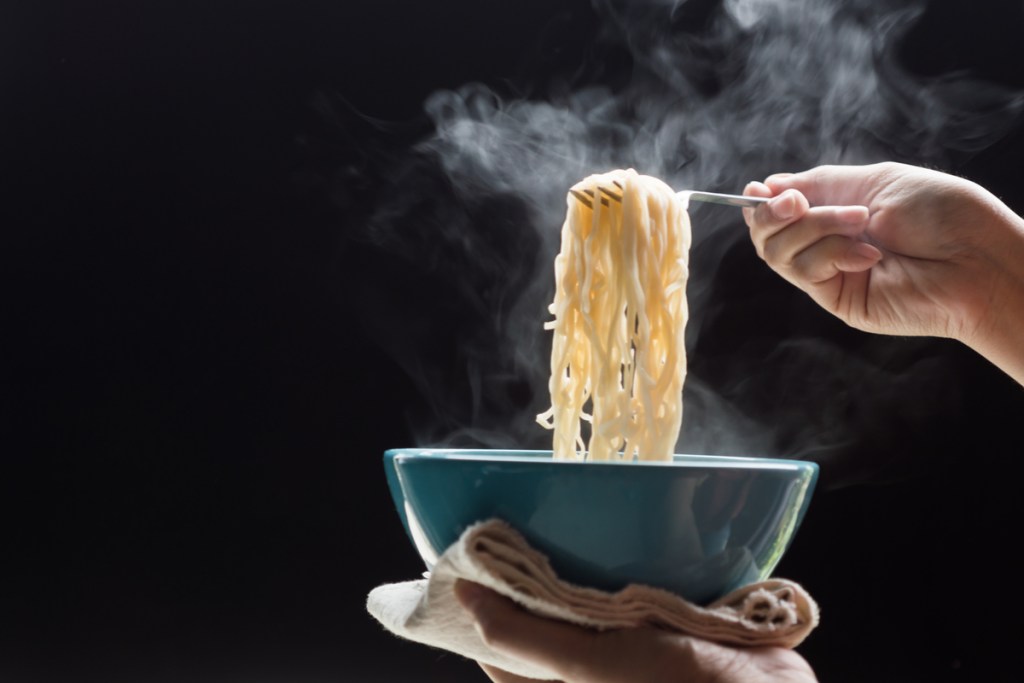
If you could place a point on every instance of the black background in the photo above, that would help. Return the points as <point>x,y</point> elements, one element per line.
<point>193,411</point>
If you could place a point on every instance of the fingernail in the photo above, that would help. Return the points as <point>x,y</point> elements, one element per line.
<point>867,252</point>
<point>778,181</point>
<point>783,207</point>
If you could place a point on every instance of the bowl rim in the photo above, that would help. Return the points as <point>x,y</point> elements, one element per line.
<point>526,456</point>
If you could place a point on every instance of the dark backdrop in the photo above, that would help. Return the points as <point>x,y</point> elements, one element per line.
<point>196,393</point>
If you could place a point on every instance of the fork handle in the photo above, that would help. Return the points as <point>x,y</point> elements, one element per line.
<point>727,199</point>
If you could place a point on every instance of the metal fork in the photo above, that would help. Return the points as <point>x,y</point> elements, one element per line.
<point>587,197</point>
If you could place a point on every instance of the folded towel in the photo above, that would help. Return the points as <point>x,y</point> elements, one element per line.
<point>775,612</point>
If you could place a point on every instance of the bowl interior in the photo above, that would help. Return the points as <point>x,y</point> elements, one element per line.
<point>698,526</point>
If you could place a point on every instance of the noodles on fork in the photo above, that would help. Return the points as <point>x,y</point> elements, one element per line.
<point>618,358</point>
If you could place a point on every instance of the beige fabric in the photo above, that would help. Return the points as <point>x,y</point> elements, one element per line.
<point>775,612</point>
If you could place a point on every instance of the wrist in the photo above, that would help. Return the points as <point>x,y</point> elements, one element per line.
<point>995,322</point>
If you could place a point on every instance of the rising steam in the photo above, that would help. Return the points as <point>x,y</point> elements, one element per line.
<point>710,97</point>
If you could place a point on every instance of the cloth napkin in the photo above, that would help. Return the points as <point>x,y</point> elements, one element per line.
<point>775,612</point>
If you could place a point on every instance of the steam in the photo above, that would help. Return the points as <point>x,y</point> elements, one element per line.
<point>713,98</point>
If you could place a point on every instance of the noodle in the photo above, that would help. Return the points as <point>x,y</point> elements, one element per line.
<point>620,312</point>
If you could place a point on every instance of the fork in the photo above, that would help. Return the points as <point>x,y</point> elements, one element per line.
<point>587,197</point>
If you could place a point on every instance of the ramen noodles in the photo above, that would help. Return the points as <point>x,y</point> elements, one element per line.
<point>618,360</point>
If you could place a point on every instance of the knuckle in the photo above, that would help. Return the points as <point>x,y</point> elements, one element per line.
<point>771,252</point>
<point>492,630</point>
<point>887,169</point>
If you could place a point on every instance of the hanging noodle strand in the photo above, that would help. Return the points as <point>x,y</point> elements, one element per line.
<point>618,360</point>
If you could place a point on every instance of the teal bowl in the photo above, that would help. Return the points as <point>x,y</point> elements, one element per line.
<point>699,526</point>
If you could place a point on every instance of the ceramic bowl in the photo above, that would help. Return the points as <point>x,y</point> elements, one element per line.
<point>699,526</point>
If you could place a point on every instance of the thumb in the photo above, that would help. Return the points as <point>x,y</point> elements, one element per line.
<point>507,628</point>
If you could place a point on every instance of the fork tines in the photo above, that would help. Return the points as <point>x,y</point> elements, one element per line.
<point>587,196</point>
